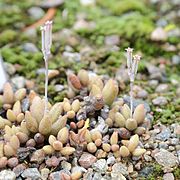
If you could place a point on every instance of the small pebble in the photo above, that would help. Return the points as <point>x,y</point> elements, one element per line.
<point>36,12</point>
<point>142,94</point>
<point>52,162</point>
<point>100,166</point>
<point>162,88</point>
<point>9,68</point>
<point>65,165</point>
<point>38,156</point>
<point>7,175</point>
<point>165,158</point>
<point>30,47</point>
<point>12,162</point>
<point>160,101</point>
<point>18,81</point>
<point>19,169</point>
<point>45,173</point>
<point>86,160</point>
<point>153,83</point>
<point>168,176</point>
<point>3,162</point>
<point>32,173</point>
<point>159,34</point>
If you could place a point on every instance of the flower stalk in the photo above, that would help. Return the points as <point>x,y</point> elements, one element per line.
<point>132,64</point>
<point>46,40</point>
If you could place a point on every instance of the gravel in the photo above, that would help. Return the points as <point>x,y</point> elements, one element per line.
<point>31,173</point>
<point>30,47</point>
<point>176,60</point>
<point>145,171</point>
<point>9,68</point>
<point>100,166</point>
<point>142,94</point>
<point>36,12</point>
<point>51,3</point>
<point>160,101</point>
<point>38,156</point>
<point>111,160</point>
<point>45,173</point>
<point>165,158</point>
<point>159,34</point>
<point>7,175</point>
<point>65,165</point>
<point>18,81</point>
<point>162,88</point>
<point>119,168</point>
<point>164,135</point>
<point>86,160</point>
<point>102,126</point>
<point>19,169</point>
<point>168,176</point>
<point>112,40</point>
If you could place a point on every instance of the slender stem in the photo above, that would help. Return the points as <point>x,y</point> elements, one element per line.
<point>46,86</point>
<point>131,97</point>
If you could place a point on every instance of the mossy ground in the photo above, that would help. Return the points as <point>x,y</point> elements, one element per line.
<point>157,173</point>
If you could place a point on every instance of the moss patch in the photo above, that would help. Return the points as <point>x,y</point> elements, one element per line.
<point>119,7</point>
<point>29,61</point>
<point>7,36</point>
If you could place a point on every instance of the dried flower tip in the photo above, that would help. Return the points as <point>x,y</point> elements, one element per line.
<point>46,33</point>
<point>129,49</point>
<point>137,57</point>
<point>129,57</point>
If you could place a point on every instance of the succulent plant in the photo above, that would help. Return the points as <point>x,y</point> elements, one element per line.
<point>66,128</point>
<point>119,116</point>
<point>110,92</point>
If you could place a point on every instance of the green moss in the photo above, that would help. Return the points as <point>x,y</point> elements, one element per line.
<point>60,96</point>
<point>29,61</point>
<point>111,63</point>
<point>130,26</point>
<point>157,172</point>
<point>176,173</point>
<point>7,36</point>
<point>14,15</point>
<point>9,14</point>
<point>142,66</point>
<point>170,113</point>
<point>119,7</point>
<point>72,7</point>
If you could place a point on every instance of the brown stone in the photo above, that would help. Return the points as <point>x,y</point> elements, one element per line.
<point>12,162</point>
<point>38,156</point>
<point>86,160</point>
<point>124,133</point>
<point>3,162</point>
<point>52,162</point>
<point>19,169</point>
